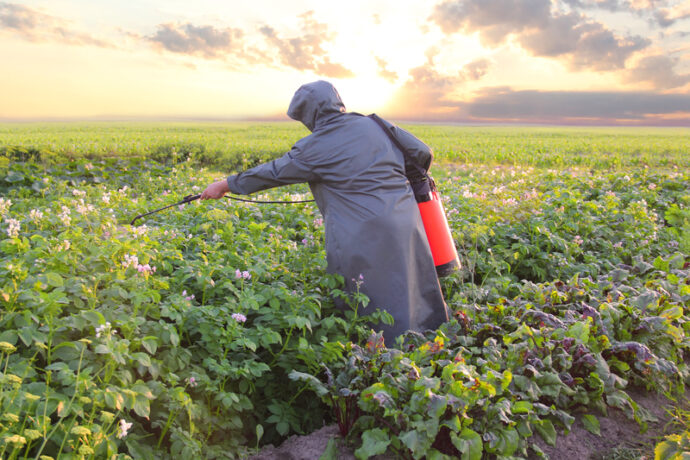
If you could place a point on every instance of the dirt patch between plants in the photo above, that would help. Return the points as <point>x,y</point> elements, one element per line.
<point>617,432</point>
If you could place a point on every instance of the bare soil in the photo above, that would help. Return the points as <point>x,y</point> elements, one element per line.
<point>618,433</point>
<point>621,437</point>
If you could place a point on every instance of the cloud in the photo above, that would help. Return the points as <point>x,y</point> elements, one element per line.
<point>475,70</point>
<point>38,27</point>
<point>306,52</point>
<point>493,19</point>
<point>423,95</point>
<point>663,13</point>
<point>20,18</point>
<point>427,92</point>
<point>635,6</point>
<point>504,104</point>
<point>666,17</point>
<point>612,5</point>
<point>658,70</point>
<point>384,72</point>
<point>332,69</point>
<point>204,41</point>
<point>581,42</point>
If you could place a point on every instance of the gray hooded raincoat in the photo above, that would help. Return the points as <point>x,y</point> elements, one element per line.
<point>372,223</point>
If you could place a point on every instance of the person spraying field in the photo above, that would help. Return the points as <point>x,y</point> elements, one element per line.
<point>374,233</point>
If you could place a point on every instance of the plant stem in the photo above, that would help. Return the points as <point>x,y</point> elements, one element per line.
<point>74,396</point>
<point>165,428</point>
<point>285,344</point>
<point>297,394</point>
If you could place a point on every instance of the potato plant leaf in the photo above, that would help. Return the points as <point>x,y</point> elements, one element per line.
<point>591,424</point>
<point>374,442</point>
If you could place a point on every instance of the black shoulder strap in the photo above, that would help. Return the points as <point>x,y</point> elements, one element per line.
<point>390,135</point>
<point>408,160</point>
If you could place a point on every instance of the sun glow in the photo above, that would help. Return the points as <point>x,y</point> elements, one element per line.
<point>228,60</point>
<point>364,95</point>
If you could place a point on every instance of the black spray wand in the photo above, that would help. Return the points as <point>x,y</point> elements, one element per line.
<point>190,198</point>
<point>187,199</point>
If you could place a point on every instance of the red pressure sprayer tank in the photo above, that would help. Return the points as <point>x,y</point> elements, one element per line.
<point>433,216</point>
<point>438,233</point>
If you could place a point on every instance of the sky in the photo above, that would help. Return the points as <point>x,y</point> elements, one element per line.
<point>590,62</point>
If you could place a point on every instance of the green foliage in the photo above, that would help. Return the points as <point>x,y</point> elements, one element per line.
<point>185,327</point>
<point>238,145</point>
<point>212,329</point>
<point>230,146</point>
<point>676,446</point>
<point>499,373</point>
<point>621,453</point>
<point>679,222</point>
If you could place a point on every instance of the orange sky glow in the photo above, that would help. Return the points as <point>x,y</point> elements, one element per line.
<point>601,62</point>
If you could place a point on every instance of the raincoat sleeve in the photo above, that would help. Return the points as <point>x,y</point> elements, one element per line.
<point>288,169</point>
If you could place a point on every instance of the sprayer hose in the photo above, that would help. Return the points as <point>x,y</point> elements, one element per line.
<point>268,202</point>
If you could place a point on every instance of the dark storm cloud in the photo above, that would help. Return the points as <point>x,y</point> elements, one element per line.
<point>572,37</point>
<point>505,104</point>
<point>205,41</point>
<point>38,27</point>
<point>306,52</point>
<point>658,70</point>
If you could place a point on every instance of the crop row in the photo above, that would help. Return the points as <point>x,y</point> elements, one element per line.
<point>179,336</point>
<point>229,146</point>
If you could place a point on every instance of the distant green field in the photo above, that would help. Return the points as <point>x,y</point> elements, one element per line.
<point>237,145</point>
<point>210,329</point>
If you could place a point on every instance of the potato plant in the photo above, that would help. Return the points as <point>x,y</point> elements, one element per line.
<point>207,331</point>
<point>170,337</point>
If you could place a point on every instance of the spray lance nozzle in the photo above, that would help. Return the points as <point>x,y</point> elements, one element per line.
<point>185,200</point>
<point>190,198</point>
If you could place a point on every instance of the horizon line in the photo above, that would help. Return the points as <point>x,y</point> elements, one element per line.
<point>677,123</point>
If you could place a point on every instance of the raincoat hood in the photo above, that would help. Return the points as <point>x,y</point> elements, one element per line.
<point>314,104</point>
